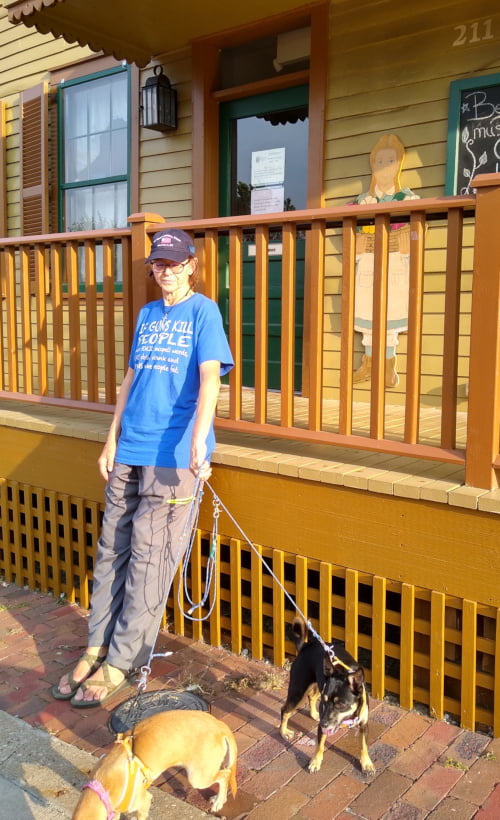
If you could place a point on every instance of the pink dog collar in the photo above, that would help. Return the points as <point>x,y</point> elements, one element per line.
<point>348,723</point>
<point>101,792</point>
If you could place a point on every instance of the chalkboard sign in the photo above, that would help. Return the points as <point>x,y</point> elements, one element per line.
<point>473,132</point>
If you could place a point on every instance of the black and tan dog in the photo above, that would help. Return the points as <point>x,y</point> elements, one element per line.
<point>334,684</point>
<point>203,745</point>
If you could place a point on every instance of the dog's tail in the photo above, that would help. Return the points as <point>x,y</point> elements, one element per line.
<point>299,633</point>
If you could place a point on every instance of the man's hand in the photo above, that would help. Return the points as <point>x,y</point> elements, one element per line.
<point>198,463</point>
<point>106,460</point>
<point>204,472</point>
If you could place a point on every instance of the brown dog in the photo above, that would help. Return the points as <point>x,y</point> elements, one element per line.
<point>204,746</point>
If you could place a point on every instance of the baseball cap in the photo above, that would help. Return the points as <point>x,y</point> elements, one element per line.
<point>172,244</point>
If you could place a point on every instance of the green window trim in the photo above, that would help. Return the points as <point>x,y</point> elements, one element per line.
<point>457,87</point>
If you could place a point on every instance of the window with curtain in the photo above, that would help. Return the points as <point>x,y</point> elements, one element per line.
<point>94,117</point>
<point>94,143</point>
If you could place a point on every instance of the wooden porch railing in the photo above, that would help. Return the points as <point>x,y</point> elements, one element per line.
<point>69,302</point>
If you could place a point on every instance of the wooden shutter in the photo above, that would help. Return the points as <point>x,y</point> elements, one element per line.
<point>34,160</point>
<point>34,131</point>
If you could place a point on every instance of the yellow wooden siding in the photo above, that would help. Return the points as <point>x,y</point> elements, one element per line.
<point>389,70</point>
<point>388,75</point>
<point>3,168</point>
<point>166,158</point>
<point>383,79</point>
<point>27,57</point>
<point>12,173</point>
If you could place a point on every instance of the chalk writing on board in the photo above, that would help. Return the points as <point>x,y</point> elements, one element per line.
<point>479,135</point>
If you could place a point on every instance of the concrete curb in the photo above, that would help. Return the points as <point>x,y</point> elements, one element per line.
<point>41,777</point>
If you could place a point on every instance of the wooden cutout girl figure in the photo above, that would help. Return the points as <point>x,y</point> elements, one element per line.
<point>386,160</point>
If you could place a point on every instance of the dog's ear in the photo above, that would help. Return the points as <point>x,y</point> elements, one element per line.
<point>356,680</point>
<point>328,667</point>
<point>299,630</point>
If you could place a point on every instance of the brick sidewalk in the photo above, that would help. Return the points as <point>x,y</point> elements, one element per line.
<point>424,767</point>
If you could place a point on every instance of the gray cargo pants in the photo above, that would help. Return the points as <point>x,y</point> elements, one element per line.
<point>138,552</point>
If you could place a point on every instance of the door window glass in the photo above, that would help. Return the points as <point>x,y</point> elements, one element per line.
<point>286,130</point>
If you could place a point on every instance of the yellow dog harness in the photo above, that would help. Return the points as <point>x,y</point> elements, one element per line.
<point>138,777</point>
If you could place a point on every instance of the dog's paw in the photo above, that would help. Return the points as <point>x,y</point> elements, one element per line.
<point>367,766</point>
<point>143,806</point>
<point>315,764</point>
<point>217,802</point>
<point>287,734</point>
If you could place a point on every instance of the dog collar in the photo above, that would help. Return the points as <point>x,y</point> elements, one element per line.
<point>348,723</point>
<point>97,787</point>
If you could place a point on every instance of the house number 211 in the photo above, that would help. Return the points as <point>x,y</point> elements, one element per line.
<point>473,33</point>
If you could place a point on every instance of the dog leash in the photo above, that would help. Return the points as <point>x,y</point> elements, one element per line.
<point>328,648</point>
<point>210,578</point>
<point>210,572</point>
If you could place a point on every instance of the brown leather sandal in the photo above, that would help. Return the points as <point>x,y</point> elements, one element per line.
<point>93,660</point>
<point>105,683</point>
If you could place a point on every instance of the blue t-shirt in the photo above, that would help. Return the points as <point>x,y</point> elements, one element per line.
<point>170,343</point>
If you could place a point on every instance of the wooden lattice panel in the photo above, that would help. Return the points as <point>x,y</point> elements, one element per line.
<point>418,645</point>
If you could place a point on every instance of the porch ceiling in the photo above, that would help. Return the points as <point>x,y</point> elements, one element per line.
<point>137,30</point>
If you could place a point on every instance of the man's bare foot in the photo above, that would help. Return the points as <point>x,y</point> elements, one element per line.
<point>99,686</point>
<point>86,665</point>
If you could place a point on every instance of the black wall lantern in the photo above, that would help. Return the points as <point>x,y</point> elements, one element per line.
<point>159,102</point>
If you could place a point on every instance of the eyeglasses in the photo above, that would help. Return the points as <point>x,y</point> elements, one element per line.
<point>174,267</point>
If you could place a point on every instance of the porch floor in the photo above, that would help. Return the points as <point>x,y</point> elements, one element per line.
<point>357,469</point>
<point>429,428</point>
